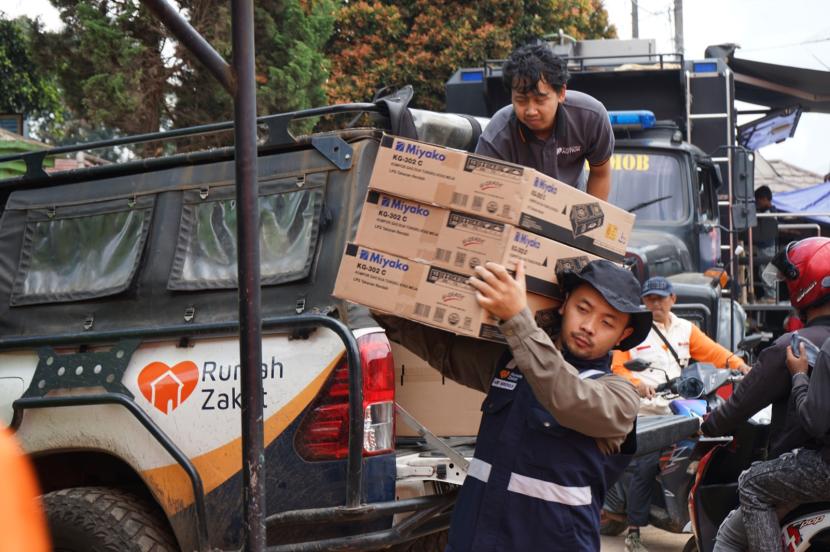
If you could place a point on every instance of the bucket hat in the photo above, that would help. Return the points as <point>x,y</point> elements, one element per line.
<point>620,288</point>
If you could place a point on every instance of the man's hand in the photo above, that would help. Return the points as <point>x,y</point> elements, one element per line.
<point>797,365</point>
<point>645,390</point>
<point>498,292</point>
<point>743,368</point>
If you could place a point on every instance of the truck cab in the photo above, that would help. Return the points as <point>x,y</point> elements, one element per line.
<point>676,163</point>
<point>706,223</point>
<point>671,186</point>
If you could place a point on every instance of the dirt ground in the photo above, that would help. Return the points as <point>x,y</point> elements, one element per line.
<point>654,539</point>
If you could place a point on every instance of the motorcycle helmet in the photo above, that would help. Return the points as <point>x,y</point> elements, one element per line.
<point>805,267</point>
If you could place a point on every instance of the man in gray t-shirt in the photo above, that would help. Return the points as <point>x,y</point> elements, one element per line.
<point>547,127</point>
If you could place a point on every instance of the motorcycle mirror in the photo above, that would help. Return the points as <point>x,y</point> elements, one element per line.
<point>690,388</point>
<point>750,342</point>
<point>637,364</point>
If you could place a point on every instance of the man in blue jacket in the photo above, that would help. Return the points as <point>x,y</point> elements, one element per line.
<point>554,418</point>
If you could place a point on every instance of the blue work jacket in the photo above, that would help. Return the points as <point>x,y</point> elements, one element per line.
<point>532,485</point>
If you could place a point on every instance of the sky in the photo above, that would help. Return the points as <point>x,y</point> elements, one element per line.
<point>796,32</point>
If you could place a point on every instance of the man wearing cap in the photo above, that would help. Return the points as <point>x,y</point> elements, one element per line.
<point>554,419</point>
<point>546,126</point>
<point>668,347</point>
<point>670,344</point>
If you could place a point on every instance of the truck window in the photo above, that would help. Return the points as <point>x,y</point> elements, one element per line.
<point>206,254</point>
<point>80,251</point>
<point>650,186</point>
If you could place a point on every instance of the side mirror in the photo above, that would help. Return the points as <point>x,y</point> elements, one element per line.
<point>743,189</point>
<point>637,364</point>
<point>750,342</point>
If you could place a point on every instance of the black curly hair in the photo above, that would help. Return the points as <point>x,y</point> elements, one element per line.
<point>528,65</point>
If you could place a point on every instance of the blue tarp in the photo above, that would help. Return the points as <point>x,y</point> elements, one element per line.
<point>814,198</point>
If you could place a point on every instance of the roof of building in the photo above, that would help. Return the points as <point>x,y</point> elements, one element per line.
<point>781,176</point>
<point>7,136</point>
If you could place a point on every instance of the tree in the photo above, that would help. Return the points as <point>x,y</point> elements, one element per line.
<point>380,43</point>
<point>119,69</point>
<point>23,88</point>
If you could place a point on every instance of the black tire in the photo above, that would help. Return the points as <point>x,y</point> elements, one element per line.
<point>434,542</point>
<point>691,545</point>
<point>102,519</point>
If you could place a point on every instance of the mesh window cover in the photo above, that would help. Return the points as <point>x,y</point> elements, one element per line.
<point>206,252</point>
<point>76,253</point>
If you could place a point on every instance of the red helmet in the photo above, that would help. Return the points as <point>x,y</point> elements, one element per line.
<point>805,267</point>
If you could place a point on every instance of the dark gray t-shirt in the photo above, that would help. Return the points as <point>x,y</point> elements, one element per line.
<point>581,131</point>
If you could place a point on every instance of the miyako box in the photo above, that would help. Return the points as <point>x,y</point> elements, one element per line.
<point>460,241</point>
<point>423,293</point>
<point>450,178</point>
<point>563,213</point>
<point>503,192</point>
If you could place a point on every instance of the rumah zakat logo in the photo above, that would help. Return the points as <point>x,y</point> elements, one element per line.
<point>167,387</point>
<point>473,240</point>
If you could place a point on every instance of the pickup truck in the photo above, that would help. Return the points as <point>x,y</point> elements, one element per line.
<point>119,350</point>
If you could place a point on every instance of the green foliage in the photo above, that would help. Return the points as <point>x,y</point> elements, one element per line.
<point>23,88</point>
<point>380,43</point>
<point>119,70</point>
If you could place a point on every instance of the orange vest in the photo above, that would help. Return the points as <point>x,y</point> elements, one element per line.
<point>22,523</point>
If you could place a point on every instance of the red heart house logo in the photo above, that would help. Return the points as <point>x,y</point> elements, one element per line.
<point>168,387</point>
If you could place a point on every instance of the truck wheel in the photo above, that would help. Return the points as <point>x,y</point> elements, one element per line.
<point>102,519</point>
<point>434,542</point>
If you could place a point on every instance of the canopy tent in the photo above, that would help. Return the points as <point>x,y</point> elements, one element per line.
<point>776,86</point>
<point>813,199</point>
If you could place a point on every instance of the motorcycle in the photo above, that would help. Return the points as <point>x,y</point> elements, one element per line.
<point>697,390</point>
<point>715,490</point>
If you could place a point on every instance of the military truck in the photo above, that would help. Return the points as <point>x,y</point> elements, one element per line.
<point>685,163</point>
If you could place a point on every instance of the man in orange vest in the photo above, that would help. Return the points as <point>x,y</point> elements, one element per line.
<point>22,524</point>
<point>669,347</point>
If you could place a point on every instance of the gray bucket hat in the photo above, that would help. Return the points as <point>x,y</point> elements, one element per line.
<point>620,288</point>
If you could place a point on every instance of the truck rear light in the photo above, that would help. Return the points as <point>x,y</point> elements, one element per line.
<point>324,432</point>
<point>378,428</point>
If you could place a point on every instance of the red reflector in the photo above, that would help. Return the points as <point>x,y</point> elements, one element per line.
<point>324,432</point>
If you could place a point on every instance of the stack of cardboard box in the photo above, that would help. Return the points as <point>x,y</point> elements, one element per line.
<point>432,214</point>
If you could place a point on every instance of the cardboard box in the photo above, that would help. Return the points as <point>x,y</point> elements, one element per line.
<point>423,293</point>
<point>447,408</point>
<point>460,241</point>
<point>503,192</point>
<point>563,213</point>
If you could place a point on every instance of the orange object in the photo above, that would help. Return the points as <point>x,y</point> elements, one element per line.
<point>718,274</point>
<point>22,523</point>
<point>701,348</point>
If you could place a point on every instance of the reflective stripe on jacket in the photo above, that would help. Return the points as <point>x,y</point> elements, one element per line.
<point>533,484</point>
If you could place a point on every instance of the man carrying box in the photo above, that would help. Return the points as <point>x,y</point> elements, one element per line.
<point>554,418</point>
<point>546,128</point>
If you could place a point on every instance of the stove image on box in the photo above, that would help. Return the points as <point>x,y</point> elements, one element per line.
<point>574,264</point>
<point>586,217</point>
